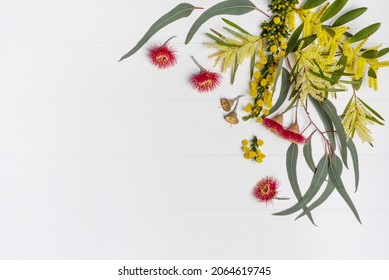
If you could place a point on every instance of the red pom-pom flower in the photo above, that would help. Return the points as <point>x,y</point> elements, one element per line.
<point>275,124</point>
<point>205,80</point>
<point>266,189</point>
<point>162,56</point>
<point>291,134</point>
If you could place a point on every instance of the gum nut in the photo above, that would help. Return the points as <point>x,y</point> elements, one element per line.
<point>231,118</point>
<point>226,104</point>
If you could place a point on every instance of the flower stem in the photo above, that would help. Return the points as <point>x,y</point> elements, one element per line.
<point>167,41</point>
<point>198,64</point>
<point>259,10</point>
<point>329,147</point>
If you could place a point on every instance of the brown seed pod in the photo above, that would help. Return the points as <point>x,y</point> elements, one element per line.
<point>232,118</point>
<point>227,104</point>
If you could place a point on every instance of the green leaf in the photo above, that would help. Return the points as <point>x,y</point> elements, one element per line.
<point>228,7</point>
<point>326,193</point>
<point>317,181</point>
<point>333,9</point>
<point>349,16</point>
<point>382,52</point>
<point>230,23</point>
<point>330,109</point>
<point>371,110</point>
<point>236,34</point>
<point>372,73</point>
<point>219,40</point>
<point>252,65</point>
<point>294,101</point>
<point>307,150</point>
<point>337,180</point>
<point>234,70</point>
<point>325,119</point>
<point>373,119</point>
<point>180,11</point>
<point>342,62</point>
<point>370,54</point>
<point>354,156</point>
<point>358,85</point>
<point>278,72</point>
<point>307,41</point>
<point>310,4</point>
<point>365,32</point>
<point>291,164</point>
<point>292,43</point>
<point>285,86</point>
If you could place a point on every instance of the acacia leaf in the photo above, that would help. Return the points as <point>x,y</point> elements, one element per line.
<point>382,52</point>
<point>228,7</point>
<point>180,11</point>
<point>333,9</point>
<point>371,110</point>
<point>365,32</point>
<point>292,43</point>
<point>310,4</point>
<point>349,16</point>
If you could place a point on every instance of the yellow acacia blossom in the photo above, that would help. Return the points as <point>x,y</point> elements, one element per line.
<point>310,62</point>
<point>238,49</point>
<point>356,119</point>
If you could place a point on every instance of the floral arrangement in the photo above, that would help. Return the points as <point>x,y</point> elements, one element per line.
<point>309,50</point>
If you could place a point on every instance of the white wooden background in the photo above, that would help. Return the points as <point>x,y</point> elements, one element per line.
<point>108,160</point>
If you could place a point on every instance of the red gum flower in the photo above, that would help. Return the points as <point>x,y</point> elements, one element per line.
<point>204,81</point>
<point>293,134</point>
<point>162,56</point>
<point>275,124</point>
<point>266,189</point>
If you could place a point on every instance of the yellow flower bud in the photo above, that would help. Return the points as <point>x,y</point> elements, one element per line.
<point>263,82</point>
<point>259,142</point>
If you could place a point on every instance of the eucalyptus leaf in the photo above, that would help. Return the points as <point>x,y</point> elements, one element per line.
<point>330,109</point>
<point>365,32</point>
<point>291,165</point>
<point>318,178</point>
<point>325,119</point>
<point>285,86</point>
<point>228,7</point>
<point>333,9</point>
<point>307,151</point>
<point>354,156</point>
<point>326,194</point>
<point>337,180</point>
<point>310,4</point>
<point>180,11</point>
<point>349,16</point>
